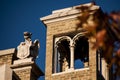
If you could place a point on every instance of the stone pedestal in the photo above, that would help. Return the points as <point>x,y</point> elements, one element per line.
<point>26,69</point>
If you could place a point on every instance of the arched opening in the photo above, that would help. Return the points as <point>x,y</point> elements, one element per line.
<point>70,53</point>
<point>81,52</point>
<point>62,56</point>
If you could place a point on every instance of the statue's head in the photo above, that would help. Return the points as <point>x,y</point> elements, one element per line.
<point>27,35</point>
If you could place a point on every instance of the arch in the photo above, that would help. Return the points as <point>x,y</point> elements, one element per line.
<point>59,39</point>
<point>62,53</point>
<point>76,37</point>
<point>81,49</point>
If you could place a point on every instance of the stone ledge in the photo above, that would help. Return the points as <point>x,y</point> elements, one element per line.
<point>21,64</point>
<point>69,11</point>
<point>74,7</point>
<point>69,71</point>
<point>7,51</point>
<point>22,61</point>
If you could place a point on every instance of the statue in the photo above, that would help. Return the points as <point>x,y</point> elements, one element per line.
<point>65,64</point>
<point>28,48</point>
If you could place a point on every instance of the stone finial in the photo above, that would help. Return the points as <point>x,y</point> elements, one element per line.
<point>28,48</point>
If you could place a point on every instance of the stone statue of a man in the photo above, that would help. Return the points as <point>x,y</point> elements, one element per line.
<point>28,48</point>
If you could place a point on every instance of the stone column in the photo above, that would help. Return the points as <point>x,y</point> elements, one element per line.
<point>105,70</point>
<point>55,59</point>
<point>107,73</point>
<point>72,57</point>
<point>99,60</point>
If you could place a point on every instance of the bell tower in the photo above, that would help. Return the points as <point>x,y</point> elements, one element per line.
<point>69,53</point>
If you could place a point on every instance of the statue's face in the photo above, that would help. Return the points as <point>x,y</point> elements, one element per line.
<point>26,37</point>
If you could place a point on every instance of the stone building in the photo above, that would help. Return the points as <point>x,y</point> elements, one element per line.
<point>67,42</point>
<point>19,64</point>
<point>69,53</point>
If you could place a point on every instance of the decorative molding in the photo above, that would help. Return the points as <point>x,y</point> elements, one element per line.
<point>68,13</point>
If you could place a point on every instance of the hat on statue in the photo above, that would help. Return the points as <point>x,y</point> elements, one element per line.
<point>27,34</point>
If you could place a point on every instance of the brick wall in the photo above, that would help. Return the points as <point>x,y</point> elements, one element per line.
<point>6,56</point>
<point>24,74</point>
<point>63,27</point>
<point>6,59</point>
<point>83,74</point>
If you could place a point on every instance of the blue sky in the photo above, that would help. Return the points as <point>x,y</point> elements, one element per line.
<point>17,16</point>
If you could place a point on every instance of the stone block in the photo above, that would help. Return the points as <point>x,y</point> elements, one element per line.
<point>27,70</point>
